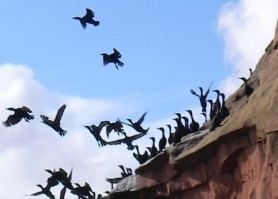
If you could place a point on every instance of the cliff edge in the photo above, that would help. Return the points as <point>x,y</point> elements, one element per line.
<point>238,160</point>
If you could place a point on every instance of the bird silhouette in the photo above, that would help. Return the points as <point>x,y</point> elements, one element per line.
<point>126,140</point>
<point>137,125</point>
<point>87,18</point>
<point>202,97</point>
<point>112,58</point>
<point>96,130</point>
<point>114,126</point>
<point>84,191</point>
<point>153,150</point>
<point>141,158</point>
<point>171,135</point>
<point>248,90</point>
<point>45,191</point>
<point>19,114</point>
<point>194,126</point>
<point>163,141</point>
<point>55,124</point>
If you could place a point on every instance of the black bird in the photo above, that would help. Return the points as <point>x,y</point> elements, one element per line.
<point>186,128</point>
<point>171,135</point>
<point>247,89</point>
<point>224,110</point>
<point>194,126</point>
<point>113,181</point>
<point>126,140</point>
<point>125,171</point>
<point>45,191</point>
<point>202,98</point>
<point>251,72</point>
<point>114,126</point>
<point>112,58</point>
<point>96,130</point>
<point>61,176</point>
<point>137,125</point>
<point>212,112</point>
<point>178,132</point>
<point>205,115</point>
<point>217,104</point>
<point>83,191</point>
<point>163,141</point>
<point>87,18</point>
<point>141,158</point>
<point>216,121</point>
<point>55,124</point>
<point>153,149</point>
<point>19,114</point>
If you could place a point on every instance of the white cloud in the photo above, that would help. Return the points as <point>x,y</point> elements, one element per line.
<point>247,27</point>
<point>26,149</point>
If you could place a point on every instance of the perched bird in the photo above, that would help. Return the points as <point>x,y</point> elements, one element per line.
<point>163,141</point>
<point>248,90</point>
<point>112,58</point>
<point>45,191</point>
<point>153,149</point>
<point>87,18</point>
<point>141,158</point>
<point>171,135</point>
<point>137,125</point>
<point>19,114</point>
<point>125,171</point>
<point>194,126</point>
<point>217,104</point>
<point>224,110</point>
<point>178,132</point>
<point>126,140</point>
<point>55,124</point>
<point>212,112</point>
<point>202,97</point>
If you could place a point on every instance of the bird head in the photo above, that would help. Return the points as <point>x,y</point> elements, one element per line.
<point>217,91</point>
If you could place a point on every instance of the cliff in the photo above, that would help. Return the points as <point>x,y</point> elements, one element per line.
<point>238,160</point>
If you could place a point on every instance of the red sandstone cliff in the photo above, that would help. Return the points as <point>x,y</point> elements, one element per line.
<point>239,160</point>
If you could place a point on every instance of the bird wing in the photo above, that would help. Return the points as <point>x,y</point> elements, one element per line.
<point>141,119</point>
<point>59,114</point>
<point>24,108</point>
<point>136,136</point>
<point>103,124</point>
<point>89,13</point>
<point>45,119</point>
<point>116,52</point>
<point>207,92</point>
<point>11,120</point>
<point>194,93</point>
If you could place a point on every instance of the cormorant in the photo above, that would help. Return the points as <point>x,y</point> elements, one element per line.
<point>125,171</point>
<point>178,132</point>
<point>163,141</point>
<point>202,98</point>
<point>216,121</point>
<point>114,126</point>
<point>19,113</point>
<point>205,115</point>
<point>217,104</point>
<point>140,158</point>
<point>83,191</point>
<point>55,124</point>
<point>113,181</point>
<point>153,149</point>
<point>224,110</point>
<point>96,130</point>
<point>186,128</point>
<point>112,58</point>
<point>87,18</point>
<point>194,126</point>
<point>212,112</point>
<point>171,135</point>
<point>137,125</point>
<point>61,176</point>
<point>126,140</point>
<point>45,191</point>
<point>247,89</point>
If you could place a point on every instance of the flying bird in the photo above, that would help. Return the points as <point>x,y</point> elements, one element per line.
<point>45,191</point>
<point>19,114</point>
<point>55,124</point>
<point>127,140</point>
<point>96,130</point>
<point>87,18</point>
<point>112,58</point>
<point>137,125</point>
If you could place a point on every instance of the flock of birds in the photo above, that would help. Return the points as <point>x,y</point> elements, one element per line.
<point>184,126</point>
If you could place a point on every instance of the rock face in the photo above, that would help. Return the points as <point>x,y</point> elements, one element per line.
<point>238,160</point>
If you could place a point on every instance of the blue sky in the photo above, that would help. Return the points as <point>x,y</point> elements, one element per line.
<point>168,48</point>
